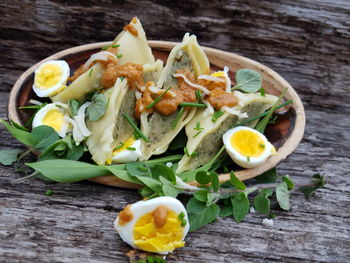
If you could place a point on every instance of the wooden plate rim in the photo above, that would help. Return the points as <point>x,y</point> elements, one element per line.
<point>286,149</point>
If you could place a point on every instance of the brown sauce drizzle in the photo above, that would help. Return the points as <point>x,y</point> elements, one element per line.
<point>132,30</point>
<point>125,215</point>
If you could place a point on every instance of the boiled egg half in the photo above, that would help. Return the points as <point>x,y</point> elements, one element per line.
<point>247,147</point>
<point>53,115</point>
<point>50,78</point>
<point>158,225</point>
<point>128,151</point>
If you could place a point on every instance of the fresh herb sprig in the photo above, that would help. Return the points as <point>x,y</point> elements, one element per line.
<point>248,80</point>
<point>134,126</point>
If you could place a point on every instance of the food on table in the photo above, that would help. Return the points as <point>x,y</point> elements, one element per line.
<point>157,225</point>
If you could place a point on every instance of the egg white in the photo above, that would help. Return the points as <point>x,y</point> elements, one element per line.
<point>127,155</point>
<point>141,208</point>
<point>40,115</point>
<point>242,160</point>
<point>46,92</point>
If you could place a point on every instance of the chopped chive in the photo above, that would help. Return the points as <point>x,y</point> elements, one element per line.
<point>114,46</point>
<point>105,47</point>
<point>134,126</point>
<point>260,115</point>
<point>198,96</point>
<point>158,98</point>
<point>90,72</point>
<point>217,115</point>
<point>183,222</point>
<point>122,78</point>
<point>198,128</point>
<point>262,146</point>
<point>226,170</point>
<point>194,154</point>
<point>119,55</point>
<point>191,104</point>
<point>142,168</point>
<point>136,136</point>
<point>181,216</point>
<point>131,148</point>
<point>119,146</point>
<point>178,116</point>
<point>262,91</point>
<point>248,158</point>
<point>49,192</point>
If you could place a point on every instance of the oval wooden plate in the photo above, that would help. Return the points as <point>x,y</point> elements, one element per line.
<point>285,134</point>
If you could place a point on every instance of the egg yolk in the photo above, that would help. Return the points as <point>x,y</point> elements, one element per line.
<point>126,144</point>
<point>149,237</point>
<point>218,74</point>
<point>54,118</point>
<point>48,76</point>
<point>247,143</point>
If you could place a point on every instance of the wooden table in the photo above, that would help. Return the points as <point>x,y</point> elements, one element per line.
<point>307,42</point>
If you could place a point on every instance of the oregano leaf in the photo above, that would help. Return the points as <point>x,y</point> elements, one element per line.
<point>240,206</point>
<point>262,203</point>
<point>236,182</point>
<point>282,195</point>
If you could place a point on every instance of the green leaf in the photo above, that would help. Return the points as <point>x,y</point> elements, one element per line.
<point>267,192</point>
<point>165,171</point>
<point>288,181</point>
<point>282,195</point>
<point>97,108</point>
<point>145,191</point>
<point>236,182</point>
<point>49,192</point>
<point>168,188</point>
<point>43,136</point>
<point>248,80</point>
<point>202,177</point>
<point>240,206</point>
<point>68,171</point>
<point>263,123</point>
<point>268,177</point>
<point>8,157</point>
<point>226,211</point>
<point>122,174</point>
<point>74,106</point>
<point>199,214</point>
<point>262,203</point>
<point>22,136</point>
<point>151,183</point>
<point>318,182</point>
<point>201,195</point>
<point>138,169</point>
<point>215,183</point>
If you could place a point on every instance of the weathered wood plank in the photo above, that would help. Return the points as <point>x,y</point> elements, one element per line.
<point>307,42</point>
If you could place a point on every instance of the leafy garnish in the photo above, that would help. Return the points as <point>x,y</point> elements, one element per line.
<point>97,108</point>
<point>9,156</point>
<point>217,115</point>
<point>74,106</point>
<point>248,80</point>
<point>178,117</point>
<point>134,126</point>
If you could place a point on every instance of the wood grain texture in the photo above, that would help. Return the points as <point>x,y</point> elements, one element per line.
<point>307,42</point>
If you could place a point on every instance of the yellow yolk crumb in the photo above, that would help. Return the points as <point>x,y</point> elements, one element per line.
<point>126,144</point>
